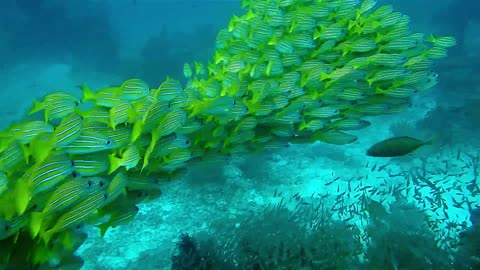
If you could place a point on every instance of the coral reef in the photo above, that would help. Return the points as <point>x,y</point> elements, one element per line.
<point>402,239</point>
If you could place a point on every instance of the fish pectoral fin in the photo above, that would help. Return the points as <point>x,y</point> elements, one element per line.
<point>37,106</point>
<point>47,236</point>
<point>36,221</point>
<point>23,194</point>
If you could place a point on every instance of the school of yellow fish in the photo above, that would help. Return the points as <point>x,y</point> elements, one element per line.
<point>287,71</point>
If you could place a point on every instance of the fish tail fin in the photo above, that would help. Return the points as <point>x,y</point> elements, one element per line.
<point>40,150</point>
<point>115,163</point>
<point>132,115</point>
<point>146,157</point>
<point>379,90</point>
<point>23,194</point>
<point>103,228</point>
<point>26,152</point>
<point>47,236</point>
<point>303,125</point>
<point>431,38</point>
<point>136,130</point>
<point>112,123</point>
<point>434,141</point>
<point>150,149</point>
<point>45,116</point>
<point>370,81</point>
<point>80,112</point>
<point>324,76</point>
<point>273,40</point>
<point>87,93</point>
<point>37,106</point>
<point>36,221</point>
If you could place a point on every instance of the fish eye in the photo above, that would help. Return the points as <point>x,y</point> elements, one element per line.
<point>105,196</point>
<point>77,103</point>
<point>75,174</point>
<point>72,162</point>
<point>187,142</point>
<point>101,183</point>
<point>89,183</point>
<point>108,142</point>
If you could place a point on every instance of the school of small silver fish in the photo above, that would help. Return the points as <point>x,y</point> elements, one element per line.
<point>287,71</point>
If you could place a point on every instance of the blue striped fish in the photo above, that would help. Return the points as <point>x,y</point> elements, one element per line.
<point>121,113</point>
<point>90,165</point>
<point>128,159</point>
<point>56,105</point>
<point>68,130</point>
<point>77,214</point>
<point>24,132</point>
<point>116,187</point>
<point>12,227</point>
<point>133,89</point>
<point>168,90</point>
<point>89,142</point>
<point>41,178</point>
<point>121,214</point>
<point>96,114</point>
<point>61,199</point>
<point>50,173</point>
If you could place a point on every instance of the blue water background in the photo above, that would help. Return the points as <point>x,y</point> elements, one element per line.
<point>48,45</point>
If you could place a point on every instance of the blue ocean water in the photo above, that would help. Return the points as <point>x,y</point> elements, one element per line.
<point>50,45</point>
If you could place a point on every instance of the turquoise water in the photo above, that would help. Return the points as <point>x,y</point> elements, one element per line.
<point>55,45</point>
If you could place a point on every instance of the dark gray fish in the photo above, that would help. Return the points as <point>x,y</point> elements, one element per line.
<point>395,147</point>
